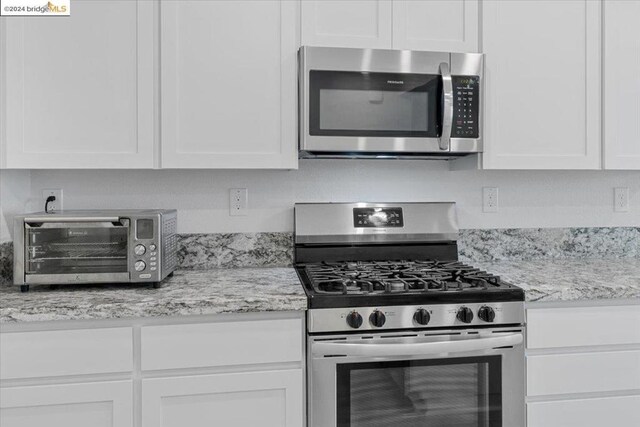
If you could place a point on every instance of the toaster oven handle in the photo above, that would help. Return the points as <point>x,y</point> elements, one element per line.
<point>447,112</point>
<point>414,348</point>
<point>55,218</point>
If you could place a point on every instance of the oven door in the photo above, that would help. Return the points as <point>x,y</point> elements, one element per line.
<point>439,379</point>
<point>76,250</point>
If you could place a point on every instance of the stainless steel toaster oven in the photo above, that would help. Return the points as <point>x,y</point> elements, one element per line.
<point>106,246</point>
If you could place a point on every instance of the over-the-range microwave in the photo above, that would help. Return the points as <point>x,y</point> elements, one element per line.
<point>389,103</point>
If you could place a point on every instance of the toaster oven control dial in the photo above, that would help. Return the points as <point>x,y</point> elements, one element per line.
<point>354,319</point>
<point>140,265</point>
<point>422,317</point>
<point>487,314</point>
<point>139,250</point>
<point>465,315</point>
<point>377,318</point>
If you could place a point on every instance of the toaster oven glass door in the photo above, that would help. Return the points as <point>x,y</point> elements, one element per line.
<point>366,104</point>
<point>76,248</point>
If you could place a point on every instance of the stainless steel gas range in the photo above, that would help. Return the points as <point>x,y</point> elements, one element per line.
<point>399,332</point>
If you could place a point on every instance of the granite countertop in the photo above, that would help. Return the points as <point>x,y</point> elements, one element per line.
<point>570,279</point>
<point>186,293</point>
<point>236,290</point>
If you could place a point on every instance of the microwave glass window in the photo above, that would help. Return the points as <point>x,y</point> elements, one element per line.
<point>374,110</point>
<point>144,229</point>
<point>344,103</point>
<point>462,392</point>
<point>74,250</point>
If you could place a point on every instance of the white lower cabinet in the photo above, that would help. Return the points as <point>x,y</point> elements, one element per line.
<point>97,404</point>
<point>608,411</point>
<point>230,370</point>
<point>583,365</point>
<point>266,398</point>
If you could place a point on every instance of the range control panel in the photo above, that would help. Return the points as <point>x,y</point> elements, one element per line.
<point>377,217</point>
<point>466,97</point>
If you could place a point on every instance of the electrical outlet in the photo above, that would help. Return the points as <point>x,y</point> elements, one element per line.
<point>238,201</point>
<point>56,205</point>
<point>490,199</point>
<point>621,199</point>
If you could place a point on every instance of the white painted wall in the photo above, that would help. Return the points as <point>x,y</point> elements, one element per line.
<point>15,192</point>
<point>527,199</point>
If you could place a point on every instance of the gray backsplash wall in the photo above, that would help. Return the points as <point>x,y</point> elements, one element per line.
<point>229,250</point>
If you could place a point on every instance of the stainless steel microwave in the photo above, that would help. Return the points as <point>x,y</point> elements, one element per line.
<point>106,246</point>
<point>389,103</point>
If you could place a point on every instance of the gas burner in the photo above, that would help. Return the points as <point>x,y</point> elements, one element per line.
<point>388,277</point>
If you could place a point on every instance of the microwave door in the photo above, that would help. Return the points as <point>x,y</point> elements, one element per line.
<point>359,112</point>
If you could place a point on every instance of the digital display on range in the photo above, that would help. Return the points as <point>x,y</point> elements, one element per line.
<point>377,217</point>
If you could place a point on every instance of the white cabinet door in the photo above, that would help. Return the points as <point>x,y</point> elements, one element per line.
<point>542,84</point>
<point>99,404</point>
<point>606,411</point>
<point>347,23</point>
<point>273,398</point>
<point>621,84</point>
<point>439,25</point>
<point>229,84</point>
<point>79,89</point>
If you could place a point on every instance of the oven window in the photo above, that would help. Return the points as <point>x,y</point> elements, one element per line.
<point>344,103</point>
<point>77,249</point>
<point>461,392</point>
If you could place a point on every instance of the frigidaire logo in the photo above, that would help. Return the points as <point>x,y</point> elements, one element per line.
<point>77,233</point>
<point>395,82</point>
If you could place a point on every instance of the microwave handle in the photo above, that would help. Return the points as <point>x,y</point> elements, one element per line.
<point>415,348</point>
<point>447,113</point>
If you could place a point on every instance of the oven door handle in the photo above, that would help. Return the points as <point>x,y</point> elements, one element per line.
<point>414,348</point>
<point>447,112</point>
<point>56,218</point>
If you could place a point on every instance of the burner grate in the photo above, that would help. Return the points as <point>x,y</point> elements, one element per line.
<point>387,277</point>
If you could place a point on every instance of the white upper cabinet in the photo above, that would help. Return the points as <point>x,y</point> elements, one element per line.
<point>79,89</point>
<point>543,83</point>
<point>439,25</point>
<point>622,84</point>
<point>229,84</point>
<point>347,23</point>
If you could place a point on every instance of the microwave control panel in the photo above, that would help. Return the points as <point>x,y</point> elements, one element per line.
<point>466,96</point>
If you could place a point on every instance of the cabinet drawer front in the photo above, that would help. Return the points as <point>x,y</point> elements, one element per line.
<point>70,405</point>
<point>221,344</point>
<point>609,411</point>
<point>73,352</point>
<point>583,372</point>
<point>583,326</point>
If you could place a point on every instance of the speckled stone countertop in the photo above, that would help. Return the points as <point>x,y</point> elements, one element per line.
<point>186,293</point>
<point>570,279</point>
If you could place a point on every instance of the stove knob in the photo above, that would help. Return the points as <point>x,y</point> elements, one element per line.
<point>139,250</point>
<point>354,319</point>
<point>140,265</point>
<point>487,314</point>
<point>422,317</point>
<point>465,315</point>
<point>377,318</point>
